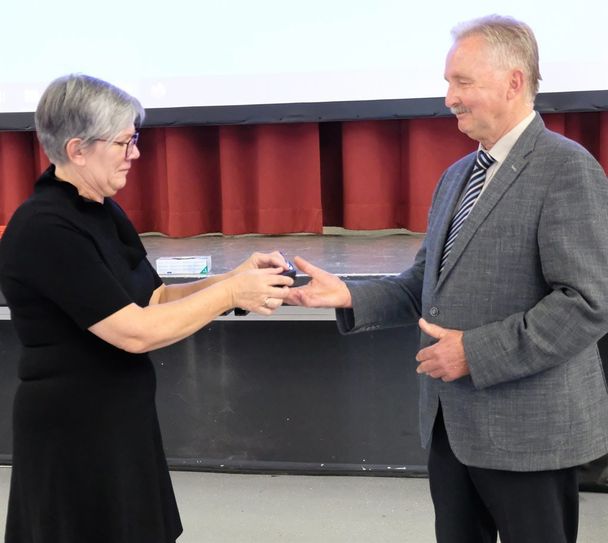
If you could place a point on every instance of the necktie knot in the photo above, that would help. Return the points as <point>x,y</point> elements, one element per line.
<point>484,160</point>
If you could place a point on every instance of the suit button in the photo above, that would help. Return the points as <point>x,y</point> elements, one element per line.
<point>434,311</point>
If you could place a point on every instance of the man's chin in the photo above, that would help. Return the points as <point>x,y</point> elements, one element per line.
<point>464,126</point>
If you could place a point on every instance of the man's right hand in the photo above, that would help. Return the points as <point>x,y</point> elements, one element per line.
<point>323,290</point>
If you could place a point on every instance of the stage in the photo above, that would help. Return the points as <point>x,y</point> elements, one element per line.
<point>287,393</point>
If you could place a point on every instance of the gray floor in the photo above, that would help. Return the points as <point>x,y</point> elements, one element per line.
<point>232,508</point>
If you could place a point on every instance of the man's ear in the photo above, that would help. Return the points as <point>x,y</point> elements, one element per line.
<point>516,84</point>
<point>75,151</point>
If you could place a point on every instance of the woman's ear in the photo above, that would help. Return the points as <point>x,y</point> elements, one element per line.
<point>75,151</point>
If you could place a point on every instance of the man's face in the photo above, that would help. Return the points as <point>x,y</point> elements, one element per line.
<point>478,91</point>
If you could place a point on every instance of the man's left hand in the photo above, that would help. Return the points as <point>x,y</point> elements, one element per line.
<point>445,359</point>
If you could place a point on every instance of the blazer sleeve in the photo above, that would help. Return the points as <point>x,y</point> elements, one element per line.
<point>391,301</point>
<point>384,303</point>
<point>573,315</point>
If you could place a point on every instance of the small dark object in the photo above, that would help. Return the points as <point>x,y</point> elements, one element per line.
<point>290,271</point>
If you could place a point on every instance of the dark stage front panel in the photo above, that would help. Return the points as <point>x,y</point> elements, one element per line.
<point>286,396</point>
<point>291,396</point>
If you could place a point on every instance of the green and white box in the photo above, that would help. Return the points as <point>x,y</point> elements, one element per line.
<point>183,265</point>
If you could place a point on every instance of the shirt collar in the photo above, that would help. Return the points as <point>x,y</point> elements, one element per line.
<point>503,146</point>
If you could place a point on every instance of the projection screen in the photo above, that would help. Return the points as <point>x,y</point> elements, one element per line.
<point>235,61</point>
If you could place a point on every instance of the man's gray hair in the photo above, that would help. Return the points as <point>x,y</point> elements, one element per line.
<point>512,42</point>
<point>81,106</point>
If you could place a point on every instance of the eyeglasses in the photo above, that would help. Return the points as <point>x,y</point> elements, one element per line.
<point>129,145</point>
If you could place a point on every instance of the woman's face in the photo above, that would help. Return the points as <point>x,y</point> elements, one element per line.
<point>108,163</point>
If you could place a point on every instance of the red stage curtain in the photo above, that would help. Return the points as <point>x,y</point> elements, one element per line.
<point>284,178</point>
<point>230,179</point>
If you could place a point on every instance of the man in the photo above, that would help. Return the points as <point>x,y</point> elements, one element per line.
<point>511,283</point>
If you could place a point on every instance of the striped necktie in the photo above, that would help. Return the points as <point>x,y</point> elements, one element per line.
<point>471,193</point>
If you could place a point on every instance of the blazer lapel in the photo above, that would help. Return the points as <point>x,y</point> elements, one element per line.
<point>453,192</point>
<point>508,172</point>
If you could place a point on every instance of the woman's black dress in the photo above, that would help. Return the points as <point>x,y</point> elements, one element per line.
<point>88,460</point>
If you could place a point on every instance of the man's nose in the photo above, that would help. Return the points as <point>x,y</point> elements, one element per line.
<point>450,98</point>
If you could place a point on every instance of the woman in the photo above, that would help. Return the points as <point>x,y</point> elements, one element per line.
<point>88,462</point>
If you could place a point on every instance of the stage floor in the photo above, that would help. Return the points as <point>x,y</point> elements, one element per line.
<point>351,254</point>
<point>358,254</point>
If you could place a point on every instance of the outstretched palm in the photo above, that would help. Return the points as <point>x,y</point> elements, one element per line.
<point>323,290</point>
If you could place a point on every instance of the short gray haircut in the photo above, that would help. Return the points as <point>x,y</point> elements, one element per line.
<point>512,42</point>
<point>81,106</point>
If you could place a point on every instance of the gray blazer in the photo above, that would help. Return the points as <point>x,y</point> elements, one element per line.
<point>527,281</point>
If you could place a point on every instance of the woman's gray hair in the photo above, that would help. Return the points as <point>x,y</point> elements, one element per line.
<point>81,106</point>
<point>512,42</point>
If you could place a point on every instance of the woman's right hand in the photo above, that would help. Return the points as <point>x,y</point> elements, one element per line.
<point>259,290</point>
